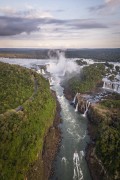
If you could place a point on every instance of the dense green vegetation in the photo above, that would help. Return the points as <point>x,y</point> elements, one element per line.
<point>16,86</point>
<point>24,53</point>
<point>111,103</point>
<point>110,55</point>
<point>81,62</point>
<point>96,54</point>
<point>107,149</point>
<point>22,132</point>
<point>108,139</point>
<point>108,134</point>
<point>105,117</point>
<point>88,78</point>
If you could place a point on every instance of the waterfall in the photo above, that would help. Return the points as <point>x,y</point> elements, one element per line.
<point>114,86</point>
<point>39,71</point>
<point>104,85</point>
<point>43,72</point>
<point>75,98</point>
<point>50,80</point>
<point>87,107</point>
<point>118,87</point>
<point>76,109</point>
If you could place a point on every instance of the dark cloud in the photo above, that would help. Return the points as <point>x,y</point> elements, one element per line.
<point>14,25</point>
<point>10,26</point>
<point>85,24</point>
<point>88,26</point>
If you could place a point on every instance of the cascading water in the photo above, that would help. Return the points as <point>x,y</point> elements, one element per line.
<point>76,109</point>
<point>112,86</point>
<point>75,98</point>
<point>87,107</point>
<point>43,72</point>
<point>104,84</point>
<point>70,162</point>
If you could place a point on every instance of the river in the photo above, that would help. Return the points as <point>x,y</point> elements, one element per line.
<point>70,163</point>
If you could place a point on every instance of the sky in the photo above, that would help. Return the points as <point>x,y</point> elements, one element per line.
<point>60,23</point>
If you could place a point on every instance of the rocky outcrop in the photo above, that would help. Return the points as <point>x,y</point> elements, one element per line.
<point>82,103</point>
<point>96,114</point>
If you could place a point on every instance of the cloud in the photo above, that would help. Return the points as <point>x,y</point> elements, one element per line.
<point>10,26</point>
<point>32,20</point>
<point>29,12</point>
<point>108,7</point>
<point>7,10</point>
<point>116,33</point>
<point>14,25</point>
<point>85,24</point>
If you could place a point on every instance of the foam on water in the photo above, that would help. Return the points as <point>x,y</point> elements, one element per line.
<point>77,169</point>
<point>73,127</point>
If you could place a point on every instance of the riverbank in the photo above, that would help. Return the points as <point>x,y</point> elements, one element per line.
<point>43,167</point>
<point>28,109</point>
<point>94,165</point>
<point>103,129</point>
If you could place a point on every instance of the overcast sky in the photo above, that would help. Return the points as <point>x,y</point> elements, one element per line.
<point>60,23</point>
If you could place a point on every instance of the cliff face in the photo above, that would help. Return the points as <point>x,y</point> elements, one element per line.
<point>104,130</point>
<point>102,110</point>
<point>103,152</point>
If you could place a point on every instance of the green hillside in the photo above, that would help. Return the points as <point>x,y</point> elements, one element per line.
<point>86,81</point>
<point>27,110</point>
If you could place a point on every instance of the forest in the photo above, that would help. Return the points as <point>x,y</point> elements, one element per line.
<point>104,116</point>
<point>110,55</point>
<point>22,130</point>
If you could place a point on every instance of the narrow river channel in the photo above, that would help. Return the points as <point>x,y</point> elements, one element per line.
<point>70,163</point>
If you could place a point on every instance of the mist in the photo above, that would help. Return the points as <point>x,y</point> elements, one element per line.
<point>62,65</point>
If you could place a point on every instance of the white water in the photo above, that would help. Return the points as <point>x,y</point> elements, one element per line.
<point>76,109</point>
<point>70,162</point>
<point>111,85</point>
<point>61,66</point>
<point>69,165</point>
<point>75,98</point>
<point>87,107</point>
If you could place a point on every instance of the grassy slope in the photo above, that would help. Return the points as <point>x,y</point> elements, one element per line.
<point>22,132</point>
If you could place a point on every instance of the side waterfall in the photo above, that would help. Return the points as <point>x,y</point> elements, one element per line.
<point>75,98</point>
<point>87,107</point>
<point>112,86</point>
<point>76,109</point>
